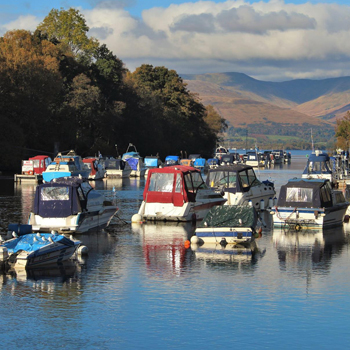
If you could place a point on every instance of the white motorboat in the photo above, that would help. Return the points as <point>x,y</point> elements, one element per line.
<point>228,224</point>
<point>116,168</point>
<point>176,193</point>
<point>240,186</point>
<point>38,249</point>
<point>309,203</point>
<point>97,171</point>
<point>318,167</point>
<point>71,205</point>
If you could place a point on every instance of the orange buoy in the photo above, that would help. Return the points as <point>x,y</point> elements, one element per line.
<point>187,244</point>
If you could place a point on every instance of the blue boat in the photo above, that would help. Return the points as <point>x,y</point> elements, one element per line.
<point>135,161</point>
<point>213,162</point>
<point>38,249</point>
<point>69,164</point>
<point>201,164</point>
<point>172,160</point>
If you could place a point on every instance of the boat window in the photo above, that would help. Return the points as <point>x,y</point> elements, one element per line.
<point>88,165</point>
<point>244,179</point>
<point>178,185</point>
<point>253,181</point>
<point>325,195</point>
<point>54,194</point>
<point>188,181</point>
<point>36,163</point>
<point>81,194</point>
<point>161,182</point>
<point>197,180</point>
<point>217,179</point>
<point>296,194</point>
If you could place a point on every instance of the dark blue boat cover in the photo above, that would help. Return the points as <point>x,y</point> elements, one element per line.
<point>133,162</point>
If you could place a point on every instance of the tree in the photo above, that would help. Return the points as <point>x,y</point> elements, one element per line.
<point>214,120</point>
<point>70,29</point>
<point>342,131</point>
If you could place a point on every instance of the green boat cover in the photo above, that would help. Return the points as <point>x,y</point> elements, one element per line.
<point>231,216</point>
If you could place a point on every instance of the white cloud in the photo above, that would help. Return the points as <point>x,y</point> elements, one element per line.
<point>22,22</point>
<point>263,39</point>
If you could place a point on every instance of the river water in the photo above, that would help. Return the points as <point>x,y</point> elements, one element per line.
<point>139,288</point>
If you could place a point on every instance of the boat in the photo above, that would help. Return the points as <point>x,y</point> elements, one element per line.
<point>176,193</point>
<point>186,162</point>
<point>152,162</point>
<point>229,159</point>
<point>201,164</point>
<point>240,186</point>
<point>33,168</point>
<point>71,205</point>
<point>116,167</point>
<point>97,171</point>
<point>318,167</point>
<point>220,151</point>
<point>135,161</point>
<point>309,203</point>
<point>213,163</point>
<point>171,160</point>
<point>287,157</point>
<point>64,165</point>
<point>228,224</point>
<point>277,156</point>
<point>255,159</point>
<point>37,249</point>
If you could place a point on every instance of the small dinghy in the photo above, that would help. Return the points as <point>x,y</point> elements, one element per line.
<point>38,249</point>
<point>228,224</point>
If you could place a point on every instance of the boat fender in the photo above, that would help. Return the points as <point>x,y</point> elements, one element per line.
<point>196,240</point>
<point>83,250</point>
<point>136,218</point>
<point>270,202</point>
<point>250,203</point>
<point>262,204</point>
<point>223,242</point>
<point>275,201</point>
<point>346,218</point>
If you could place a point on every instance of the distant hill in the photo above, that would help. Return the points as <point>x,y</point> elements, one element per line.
<point>270,106</point>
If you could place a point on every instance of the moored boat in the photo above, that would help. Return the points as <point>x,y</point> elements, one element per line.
<point>71,205</point>
<point>240,186</point>
<point>309,203</point>
<point>318,167</point>
<point>33,168</point>
<point>35,249</point>
<point>135,161</point>
<point>97,171</point>
<point>176,193</point>
<point>116,168</point>
<point>228,224</point>
<point>64,165</point>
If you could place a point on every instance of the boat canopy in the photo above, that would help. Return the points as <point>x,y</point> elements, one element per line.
<point>213,161</point>
<point>112,163</point>
<point>133,162</point>
<point>233,178</point>
<point>200,162</point>
<point>59,198</point>
<point>32,242</point>
<point>174,184</point>
<point>128,155</point>
<point>228,158</point>
<point>318,164</point>
<point>231,216</point>
<point>172,160</point>
<point>306,193</point>
<point>151,161</point>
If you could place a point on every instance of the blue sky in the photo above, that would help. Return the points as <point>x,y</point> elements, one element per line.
<point>268,40</point>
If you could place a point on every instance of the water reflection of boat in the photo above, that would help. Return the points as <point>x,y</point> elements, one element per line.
<point>229,256</point>
<point>163,246</point>
<point>307,250</point>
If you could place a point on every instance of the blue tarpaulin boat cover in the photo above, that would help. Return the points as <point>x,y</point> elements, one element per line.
<point>32,242</point>
<point>199,162</point>
<point>151,162</point>
<point>133,162</point>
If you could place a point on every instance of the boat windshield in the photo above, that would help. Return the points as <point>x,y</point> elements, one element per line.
<point>222,179</point>
<point>248,178</point>
<point>54,193</point>
<point>297,194</point>
<point>162,182</point>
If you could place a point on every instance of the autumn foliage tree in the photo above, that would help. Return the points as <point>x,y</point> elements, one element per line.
<point>342,131</point>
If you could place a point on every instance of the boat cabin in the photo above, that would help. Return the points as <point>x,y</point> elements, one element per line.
<point>113,163</point>
<point>35,165</point>
<point>173,184</point>
<point>228,159</point>
<point>235,178</point>
<point>308,193</point>
<point>60,198</point>
<point>318,167</point>
<point>172,160</point>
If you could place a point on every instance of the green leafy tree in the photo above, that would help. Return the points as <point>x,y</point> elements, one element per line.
<point>69,28</point>
<point>342,131</point>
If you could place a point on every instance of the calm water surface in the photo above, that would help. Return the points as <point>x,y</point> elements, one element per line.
<point>139,288</point>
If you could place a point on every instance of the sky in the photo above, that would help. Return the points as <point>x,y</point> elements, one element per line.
<point>271,40</point>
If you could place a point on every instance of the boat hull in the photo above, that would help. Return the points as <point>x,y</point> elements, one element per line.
<point>231,235</point>
<point>80,223</point>
<point>309,217</point>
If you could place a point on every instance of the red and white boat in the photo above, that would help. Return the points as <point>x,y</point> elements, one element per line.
<point>33,168</point>
<point>97,172</point>
<point>176,193</point>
